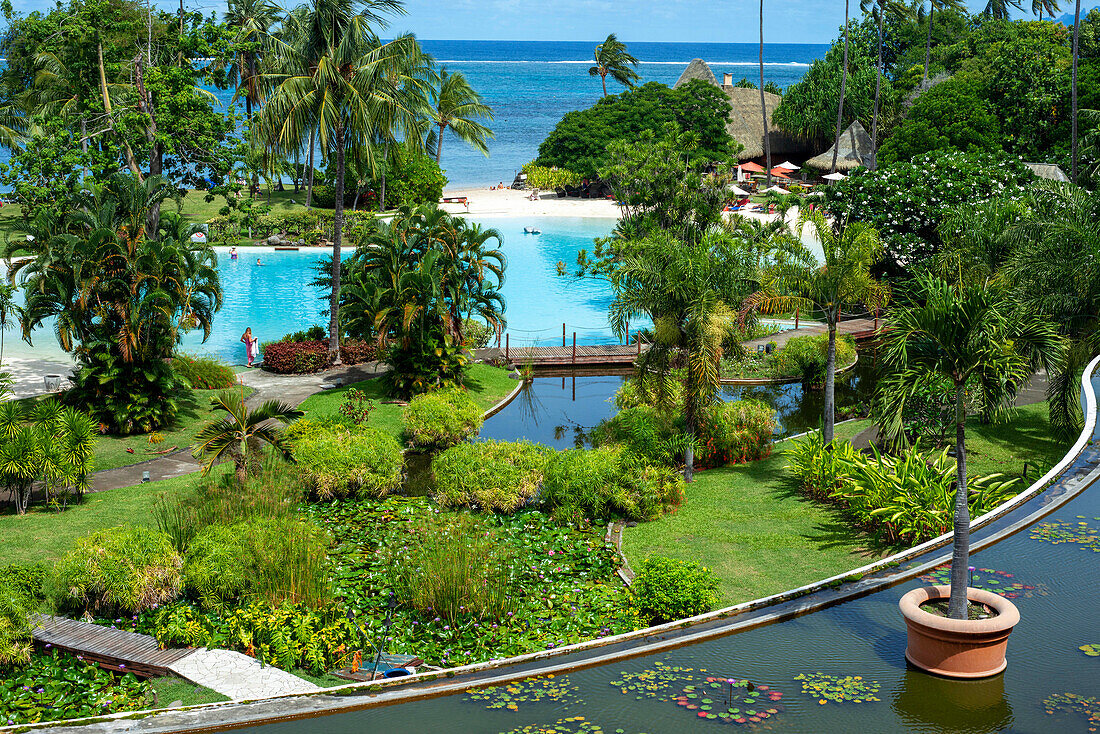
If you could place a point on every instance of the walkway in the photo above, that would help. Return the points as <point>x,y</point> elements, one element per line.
<point>856,328</point>
<point>570,355</point>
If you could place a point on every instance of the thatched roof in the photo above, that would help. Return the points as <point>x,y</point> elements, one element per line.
<point>855,151</point>
<point>746,125</point>
<point>697,69</point>
<point>1048,171</point>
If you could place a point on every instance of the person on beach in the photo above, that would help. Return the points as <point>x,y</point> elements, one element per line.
<point>232,253</point>
<point>250,342</point>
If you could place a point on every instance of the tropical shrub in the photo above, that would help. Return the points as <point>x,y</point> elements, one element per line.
<point>296,358</point>
<point>314,333</point>
<point>57,686</point>
<point>647,432</point>
<point>357,351</point>
<point>807,357</point>
<point>951,115</point>
<point>735,432</point>
<point>442,418</point>
<point>476,335</point>
<point>905,498</point>
<point>581,485</point>
<point>665,589</point>
<point>27,580</point>
<point>550,179</point>
<point>493,476</point>
<point>49,444</point>
<point>337,462</point>
<point>125,569</point>
<point>450,570</point>
<point>15,629</point>
<point>204,373</point>
<point>272,560</point>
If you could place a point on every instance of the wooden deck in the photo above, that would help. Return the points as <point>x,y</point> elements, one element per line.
<point>126,652</point>
<point>858,329</point>
<point>603,354</point>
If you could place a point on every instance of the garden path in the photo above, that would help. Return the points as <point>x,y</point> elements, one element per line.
<point>238,676</point>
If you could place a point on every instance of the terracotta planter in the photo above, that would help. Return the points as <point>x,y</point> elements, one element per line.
<point>958,648</point>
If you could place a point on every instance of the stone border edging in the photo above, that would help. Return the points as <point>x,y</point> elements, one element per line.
<point>782,380</point>
<point>400,688</point>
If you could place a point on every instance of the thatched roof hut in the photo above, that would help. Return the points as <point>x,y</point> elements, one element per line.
<point>697,69</point>
<point>1048,171</point>
<point>854,151</point>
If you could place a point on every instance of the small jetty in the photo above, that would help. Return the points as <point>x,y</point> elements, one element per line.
<point>592,354</point>
<point>859,329</point>
<point>114,649</point>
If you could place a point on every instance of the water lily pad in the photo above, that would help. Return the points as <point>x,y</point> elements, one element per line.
<point>570,725</point>
<point>1006,584</point>
<point>553,689</point>
<point>1074,703</point>
<point>1091,650</point>
<point>1057,533</point>
<point>838,689</point>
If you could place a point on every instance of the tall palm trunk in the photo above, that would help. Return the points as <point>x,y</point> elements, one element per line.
<point>309,184</point>
<point>603,78</point>
<point>689,425</point>
<point>385,161</point>
<point>878,91</point>
<point>1073,85</point>
<point>439,143</point>
<point>830,381</point>
<point>763,104</point>
<point>960,556</point>
<point>928,42</point>
<point>843,83</point>
<point>337,233</point>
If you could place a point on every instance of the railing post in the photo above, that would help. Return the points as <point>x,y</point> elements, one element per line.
<point>628,333</point>
<point>507,342</point>
<point>574,347</point>
<point>563,333</point>
<point>638,341</point>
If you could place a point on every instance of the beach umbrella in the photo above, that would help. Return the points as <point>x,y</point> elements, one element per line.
<point>776,189</point>
<point>838,176</point>
<point>739,191</point>
<point>780,172</point>
<point>788,166</point>
<point>752,167</point>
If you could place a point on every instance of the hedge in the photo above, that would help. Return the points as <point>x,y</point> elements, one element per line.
<point>286,358</point>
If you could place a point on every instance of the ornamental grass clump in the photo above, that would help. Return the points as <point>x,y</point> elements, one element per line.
<point>125,569</point>
<point>271,560</point>
<point>438,420</point>
<point>337,461</point>
<point>492,476</point>
<point>806,357</point>
<point>15,629</point>
<point>666,589</point>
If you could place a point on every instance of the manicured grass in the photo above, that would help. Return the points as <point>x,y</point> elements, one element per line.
<point>169,690</point>
<point>752,528</point>
<point>488,384</point>
<point>1004,448</point>
<point>195,412</point>
<point>325,680</point>
<point>44,535</point>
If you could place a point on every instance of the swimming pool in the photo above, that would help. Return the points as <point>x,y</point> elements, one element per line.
<point>278,297</point>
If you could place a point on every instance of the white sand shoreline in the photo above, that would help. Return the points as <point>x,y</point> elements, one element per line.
<point>510,203</point>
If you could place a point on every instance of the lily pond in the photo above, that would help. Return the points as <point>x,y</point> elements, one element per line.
<point>838,669</point>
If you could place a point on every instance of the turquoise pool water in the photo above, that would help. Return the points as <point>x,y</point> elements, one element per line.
<point>277,297</point>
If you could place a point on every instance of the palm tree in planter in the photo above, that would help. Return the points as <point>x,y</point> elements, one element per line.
<point>240,435</point>
<point>613,60</point>
<point>962,333</point>
<point>797,279</point>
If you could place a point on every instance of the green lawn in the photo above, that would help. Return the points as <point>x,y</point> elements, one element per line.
<point>761,536</point>
<point>45,535</point>
<point>170,689</point>
<point>195,412</point>
<point>488,384</point>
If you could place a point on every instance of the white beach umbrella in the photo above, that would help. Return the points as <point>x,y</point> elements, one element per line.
<point>776,189</point>
<point>739,191</point>
<point>788,166</point>
<point>838,176</point>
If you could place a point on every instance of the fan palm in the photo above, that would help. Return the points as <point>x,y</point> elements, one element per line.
<point>613,60</point>
<point>960,332</point>
<point>879,9</point>
<point>240,435</point>
<point>796,279</point>
<point>456,106</point>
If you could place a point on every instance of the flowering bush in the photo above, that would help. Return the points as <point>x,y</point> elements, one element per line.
<point>735,432</point>
<point>296,358</point>
<point>907,201</point>
<point>666,589</point>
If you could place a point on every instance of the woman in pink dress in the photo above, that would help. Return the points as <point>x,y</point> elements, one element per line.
<point>250,342</point>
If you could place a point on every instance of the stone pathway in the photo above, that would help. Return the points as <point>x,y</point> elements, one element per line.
<point>29,373</point>
<point>238,676</point>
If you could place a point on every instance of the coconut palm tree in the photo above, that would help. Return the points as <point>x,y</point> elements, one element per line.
<point>843,83</point>
<point>763,104</point>
<point>1000,9</point>
<point>933,6</point>
<point>960,333</point>
<point>879,9</point>
<point>405,105</point>
<point>1050,6</point>
<point>1073,85</point>
<point>251,20</point>
<point>456,106</point>
<point>796,279</point>
<point>241,434</point>
<point>613,60</point>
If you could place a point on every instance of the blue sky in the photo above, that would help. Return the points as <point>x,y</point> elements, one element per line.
<point>733,21</point>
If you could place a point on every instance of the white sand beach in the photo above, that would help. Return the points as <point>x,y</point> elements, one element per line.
<point>509,203</point>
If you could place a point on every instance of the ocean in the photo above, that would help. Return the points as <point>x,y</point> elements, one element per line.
<point>531,84</point>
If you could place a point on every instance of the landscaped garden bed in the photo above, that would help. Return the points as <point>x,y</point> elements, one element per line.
<point>801,358</point>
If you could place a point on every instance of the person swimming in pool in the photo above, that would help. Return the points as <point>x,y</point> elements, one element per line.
<point>258,261</point>
<point>232,253</point>
<point>250,342</point>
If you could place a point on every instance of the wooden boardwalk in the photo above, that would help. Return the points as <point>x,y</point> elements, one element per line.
<point>126,652</point>
<point>582,354</point>
<point>858,329</point>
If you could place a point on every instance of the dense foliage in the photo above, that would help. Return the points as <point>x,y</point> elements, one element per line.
<point>580,141</point>
<point>334,460</point>
<point>47,446</point>
<point>805,357</point>
<point>204,373</point>
<point>950,116</point>
<point>666,589</point>
<point>15,628</point>
<point>442,418</point>
<point>492,476</point>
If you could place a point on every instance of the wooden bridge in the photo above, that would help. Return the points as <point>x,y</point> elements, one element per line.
<point>126,652</point>
<point>593,354</point>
